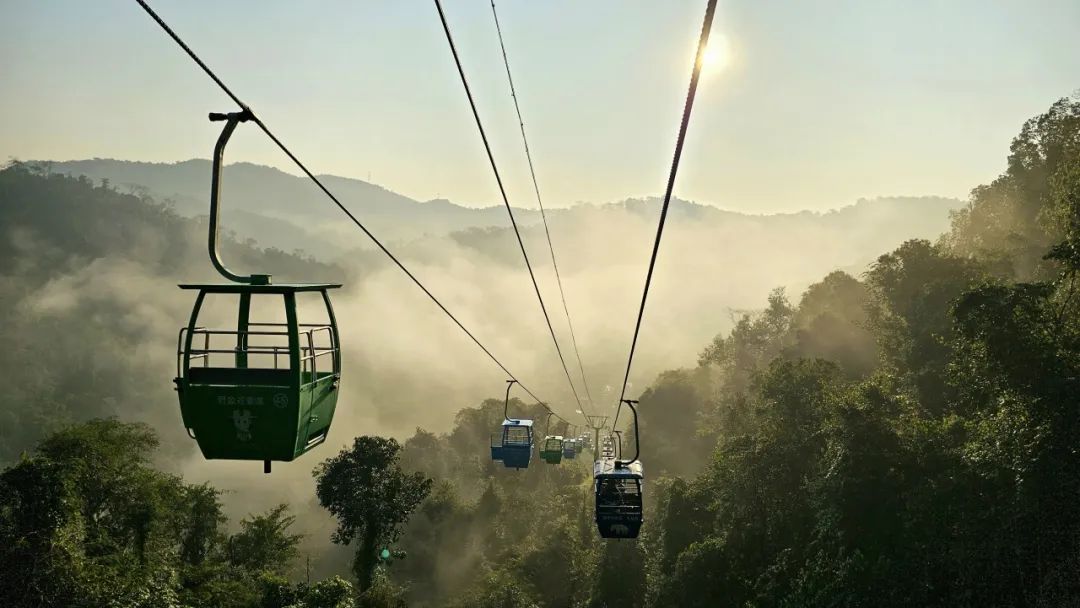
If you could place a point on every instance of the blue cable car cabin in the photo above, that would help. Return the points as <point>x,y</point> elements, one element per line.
<point>618,488</point>
<point>514,445</point>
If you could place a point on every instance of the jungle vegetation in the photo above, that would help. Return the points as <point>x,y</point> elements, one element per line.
<point>906,436</point>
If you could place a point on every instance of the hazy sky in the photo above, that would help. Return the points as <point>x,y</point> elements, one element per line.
<point>820,103</point>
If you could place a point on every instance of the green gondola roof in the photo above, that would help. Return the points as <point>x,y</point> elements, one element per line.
<point>246,288</point>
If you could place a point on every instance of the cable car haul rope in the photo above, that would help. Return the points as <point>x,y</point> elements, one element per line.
<point>540,203</point>
<point>617,482</point>
<point>270,392</point>
<point>506,201</point>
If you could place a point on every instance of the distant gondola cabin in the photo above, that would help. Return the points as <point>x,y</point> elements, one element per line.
<point>570,448</point>
<point>514,445</point>
<point>551,451</point>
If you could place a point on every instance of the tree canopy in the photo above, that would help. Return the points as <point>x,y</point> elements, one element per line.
<point>901,436</point>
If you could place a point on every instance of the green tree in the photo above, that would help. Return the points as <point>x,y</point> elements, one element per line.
<point>112,518</point>
<point>264,544</point>
<point>831,322</point>
<point>202,531</point>
<point>41,536</point>
<point>915,287</point>
<point>498,589</point>
<point>620,577</point>
<point>371,497</point>
<point>1012,221</point>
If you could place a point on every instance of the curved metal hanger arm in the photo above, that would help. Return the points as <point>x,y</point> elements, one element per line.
<point>231,120</point>
<point>506,405</point>
<point>637,440</point>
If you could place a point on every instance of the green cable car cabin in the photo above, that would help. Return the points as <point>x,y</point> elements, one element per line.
<point>255,380</point>
<point>258,390</point>
<point>551,451</point>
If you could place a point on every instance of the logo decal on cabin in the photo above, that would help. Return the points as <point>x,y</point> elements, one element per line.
<point>281,400</point>
<point>242,420</point>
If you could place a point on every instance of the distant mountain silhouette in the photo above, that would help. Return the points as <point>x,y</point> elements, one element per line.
<point>288,212</point>
<point>265,191</point>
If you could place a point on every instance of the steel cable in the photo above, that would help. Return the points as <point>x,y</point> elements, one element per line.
<point>176,38</point>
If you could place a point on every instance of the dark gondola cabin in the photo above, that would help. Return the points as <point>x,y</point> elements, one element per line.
<point>618,498</point>
<point>551,451</point>
<point>570,448</point>
<point>514,445</point>
<point>258,390</point>
<point>607,448</point>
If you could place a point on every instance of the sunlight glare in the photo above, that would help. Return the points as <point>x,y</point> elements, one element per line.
<point>717,54</point>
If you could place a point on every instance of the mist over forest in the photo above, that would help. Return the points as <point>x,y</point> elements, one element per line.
<point>406,363</point>
<point>869,406</point>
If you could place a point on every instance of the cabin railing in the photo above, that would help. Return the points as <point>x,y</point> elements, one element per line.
<point>270,351</point>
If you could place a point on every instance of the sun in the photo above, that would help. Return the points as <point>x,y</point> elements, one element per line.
<point>717,55</point>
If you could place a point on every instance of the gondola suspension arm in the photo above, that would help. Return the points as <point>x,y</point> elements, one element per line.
<point>231,120</point>
<point>632,404</point>
<point>506,404</point>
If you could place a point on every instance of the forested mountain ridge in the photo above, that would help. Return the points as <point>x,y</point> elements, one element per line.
<point>284,211</point>
<point>903,435</point>
<point>269,193</point>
